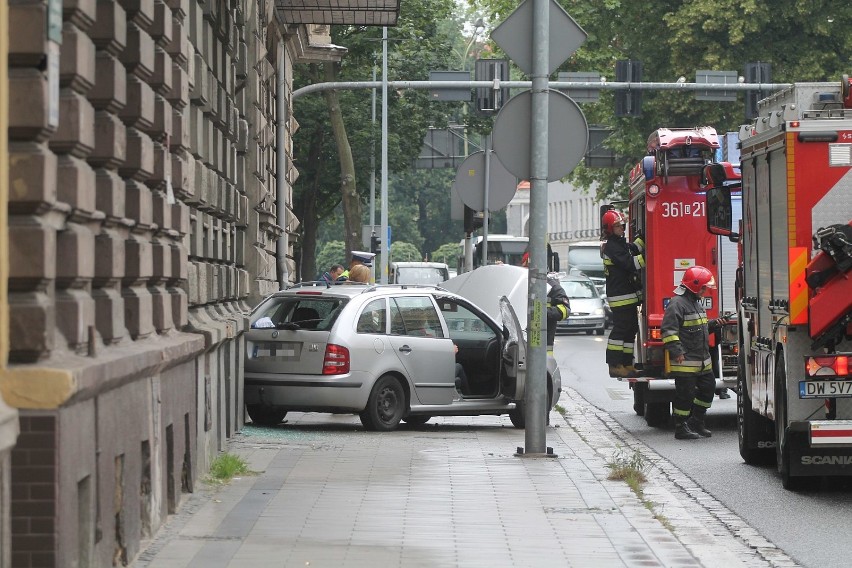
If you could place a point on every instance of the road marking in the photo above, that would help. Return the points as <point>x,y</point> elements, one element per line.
<point>617,394</point>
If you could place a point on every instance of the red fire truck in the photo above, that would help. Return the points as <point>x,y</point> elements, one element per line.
<point>795,299</point>
<point>667,207</point>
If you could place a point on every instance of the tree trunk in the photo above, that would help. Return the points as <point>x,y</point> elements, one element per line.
<point>350,200</point>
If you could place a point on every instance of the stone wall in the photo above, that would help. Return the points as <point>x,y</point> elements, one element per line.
<point>142,228</point>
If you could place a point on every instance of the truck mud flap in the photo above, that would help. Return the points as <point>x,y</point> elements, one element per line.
<point>809,460</point>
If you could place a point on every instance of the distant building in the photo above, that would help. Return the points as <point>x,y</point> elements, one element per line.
<point>572,215</point>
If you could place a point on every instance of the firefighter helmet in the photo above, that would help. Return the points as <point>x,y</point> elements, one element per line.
<point>612,218</point>
<point>696,277</point>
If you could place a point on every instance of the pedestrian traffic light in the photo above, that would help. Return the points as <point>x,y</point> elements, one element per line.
<point>756,73</point>
<point>375,244</point>
<point>472,219</point>
<point>628,102</point>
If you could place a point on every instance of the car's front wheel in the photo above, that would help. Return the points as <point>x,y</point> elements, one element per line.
<point>263,415</point>
<point>416,419</point>
<point>386,405</point>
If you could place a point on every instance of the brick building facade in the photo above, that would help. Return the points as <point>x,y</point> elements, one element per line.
<point>142,225</point>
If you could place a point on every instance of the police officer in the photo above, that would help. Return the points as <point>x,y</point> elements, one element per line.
<point>686,335</point>
<point>358,257</point>
<point>622,262</point>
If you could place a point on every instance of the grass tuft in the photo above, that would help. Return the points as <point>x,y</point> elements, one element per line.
<point>227,466</point>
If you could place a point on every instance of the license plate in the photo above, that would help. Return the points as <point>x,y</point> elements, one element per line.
<point>825,389</point>
<point>276,350</point>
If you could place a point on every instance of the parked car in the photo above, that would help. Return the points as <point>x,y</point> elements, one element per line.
<point>588,311</point>
<point>387,352</point>
<point>418,272</point>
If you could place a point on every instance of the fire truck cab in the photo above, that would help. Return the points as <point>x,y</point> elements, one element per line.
<point>794,404</point>
<point>667,207</point>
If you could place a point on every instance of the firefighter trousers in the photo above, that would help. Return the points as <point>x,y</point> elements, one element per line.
<point>625,326</point>
<point>695,392</point>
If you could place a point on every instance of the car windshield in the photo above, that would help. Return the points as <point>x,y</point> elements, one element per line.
<point>295,312</point>
<point>584,257</point>
<point>420,275</point>
<point>579,289</point>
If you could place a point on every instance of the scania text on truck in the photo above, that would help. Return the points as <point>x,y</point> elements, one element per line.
<point>667,207</point>
<point>795,299</point>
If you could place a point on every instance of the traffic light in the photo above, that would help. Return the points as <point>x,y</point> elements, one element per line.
<point>756,73</point>
<point>472,219</point>
<point>489,100</point>
<point>375,244</point>
<point>628,103</point>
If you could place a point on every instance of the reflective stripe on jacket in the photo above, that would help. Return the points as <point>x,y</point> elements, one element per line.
<point>621,267</point>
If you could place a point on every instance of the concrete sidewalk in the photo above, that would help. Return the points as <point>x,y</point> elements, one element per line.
<point>451,493</point>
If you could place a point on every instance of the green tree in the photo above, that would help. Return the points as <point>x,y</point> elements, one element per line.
<point>447,252</point>
<point>333,252</point>
<point>404,252</point>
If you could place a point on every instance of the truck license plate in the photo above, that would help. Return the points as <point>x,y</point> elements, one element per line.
<point>825,389</point>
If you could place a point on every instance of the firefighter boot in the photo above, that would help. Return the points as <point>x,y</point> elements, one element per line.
<point>632,371</point>
<point>682,429</point>
<point>618,371</point>
<point>696,422</point>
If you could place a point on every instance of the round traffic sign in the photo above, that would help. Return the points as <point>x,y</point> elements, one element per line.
<point>470,183</point>
<point>567,135</point>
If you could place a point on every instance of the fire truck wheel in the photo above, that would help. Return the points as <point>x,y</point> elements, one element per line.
<point>789,482</point>
<point>751,426</point>
<point>657,413</point>
<point>639,390</point>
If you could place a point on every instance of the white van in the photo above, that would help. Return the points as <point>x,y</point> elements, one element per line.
<point>418,272</point>
<point>586,257</point>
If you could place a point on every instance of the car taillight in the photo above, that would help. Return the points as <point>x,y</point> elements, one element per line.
<point>336,361</point>
<point>827,366</point>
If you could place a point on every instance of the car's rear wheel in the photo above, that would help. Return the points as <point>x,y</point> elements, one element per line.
<point>264,415</point>
<point>589,331</point>
<point>517,416</point>
<point>386,405</point>
<point>599,331</point>
<point>417,419</point>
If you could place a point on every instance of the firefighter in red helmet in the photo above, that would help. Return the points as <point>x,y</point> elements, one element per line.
<point>686,335</point>
<point>622,262</point>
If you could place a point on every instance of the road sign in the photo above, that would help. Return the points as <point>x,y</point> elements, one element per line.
<point>514,37</point>
<point>470,183</point>
<point>567,138</point>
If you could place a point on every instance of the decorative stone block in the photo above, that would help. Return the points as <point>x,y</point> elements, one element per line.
<point>109,314</point>
<point>138,260</point>
<point>161,254</point>
<point>163,129</point>
<point>138,56</point>
<point>140,12</point>
<point>139,162</point>
<point>32,252</point>
<point>180,307</point>
<point>180,218</point>
<point>162,169</point>
<point>110,30</point>
<point>139,110</point>
<point>179,94</point>
<point>109,257</point>
<point>110,89</point>
<point>76,185</point>
<point>179,47</point>
<point>28,105</point>
<point>110,141</point>
<point>161,31</point>
<point>180,8</point>
<point>183,177</point>
<point>139,204</point>
<point>161,309</point>
<point>75,249</point>
<point>76,132</point>
<point>31,323</point>
<point>179,260</point>
<point>32,178</point>
<point>77,60</point>
<point>137,311</point>
<point>81,13</point>
<point>180,138</point>
<point>109,194</point>
<point>27,34</point>
<point>239,248</point>
<point>75,314</point>
<point>162,211</point>
<point>162,79</point>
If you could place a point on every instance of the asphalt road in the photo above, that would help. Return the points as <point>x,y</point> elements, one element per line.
<point>812,527</point>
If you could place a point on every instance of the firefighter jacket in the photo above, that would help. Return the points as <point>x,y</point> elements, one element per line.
<point>558,308</point>
<point>686,331</point>
<point>622,261</point>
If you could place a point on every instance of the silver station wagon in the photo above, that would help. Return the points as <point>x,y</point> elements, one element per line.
<point>388,353</point>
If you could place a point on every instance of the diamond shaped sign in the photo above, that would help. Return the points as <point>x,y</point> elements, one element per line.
<point>514,36</point>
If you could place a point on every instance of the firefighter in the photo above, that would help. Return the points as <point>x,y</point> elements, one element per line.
<point>686,336</point>
<point>558,308</point>
<point>622,262</point>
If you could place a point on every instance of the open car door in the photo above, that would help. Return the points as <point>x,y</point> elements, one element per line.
<point>514,353</point>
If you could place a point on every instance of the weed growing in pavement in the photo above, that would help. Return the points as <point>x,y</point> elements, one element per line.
<point>227,466</point>
<point>561,410</point>
<point>631,469</point>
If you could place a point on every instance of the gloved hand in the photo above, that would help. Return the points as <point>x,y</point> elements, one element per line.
<point>721,321</point>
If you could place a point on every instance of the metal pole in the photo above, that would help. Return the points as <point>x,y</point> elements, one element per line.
<point>536,383</point>
<point>383,265</point>
<point>373,168</point>
<point>281,169</point>
<point>485,199</point>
